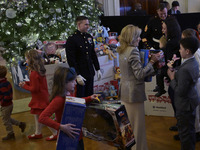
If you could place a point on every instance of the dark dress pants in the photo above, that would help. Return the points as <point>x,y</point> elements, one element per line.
<point>87,89</point>
<point>186,129</point>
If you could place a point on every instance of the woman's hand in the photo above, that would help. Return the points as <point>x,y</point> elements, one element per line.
<point>70,130</point>
<point>155,57</point>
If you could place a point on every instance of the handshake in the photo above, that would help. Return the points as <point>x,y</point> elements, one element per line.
<point>81,80</point>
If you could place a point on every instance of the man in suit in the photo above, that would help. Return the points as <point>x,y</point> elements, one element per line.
<point>138,11</point>
<point>81,55</point>
<point>174,9</point>
<point>186,98</point>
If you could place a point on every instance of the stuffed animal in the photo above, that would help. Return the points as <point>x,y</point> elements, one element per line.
<point>171,62</point>
<point>102,34</point>
<point>118,73</point>
<point>112,91</point>
<point>108,52</point>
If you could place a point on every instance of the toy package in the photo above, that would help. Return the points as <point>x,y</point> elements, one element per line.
<point>145,54</point>
<point>74,112</point>
<point>109,123</point>
<point>54,52</point>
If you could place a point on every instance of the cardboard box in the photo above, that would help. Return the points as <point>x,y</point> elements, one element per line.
<point>109,123</point>
<point>73,113</point>
<point>157,106</point>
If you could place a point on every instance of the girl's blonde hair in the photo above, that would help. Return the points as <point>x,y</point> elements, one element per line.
<point>129,35</point>
<point>36,62</point>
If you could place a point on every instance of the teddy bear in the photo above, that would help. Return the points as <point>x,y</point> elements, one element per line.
<point>108,52</point>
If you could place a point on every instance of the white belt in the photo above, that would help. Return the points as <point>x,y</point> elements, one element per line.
<point>156,40</point>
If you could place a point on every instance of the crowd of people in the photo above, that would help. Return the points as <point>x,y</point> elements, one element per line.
<point>161,32</point>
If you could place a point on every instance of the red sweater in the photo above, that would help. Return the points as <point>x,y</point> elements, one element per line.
<point>56,106</point>
<point>39,91</point>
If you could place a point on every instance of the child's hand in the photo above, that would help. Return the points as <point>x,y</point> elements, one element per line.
<point>70,130</point>
<point>21,84</point>
<point>95,97</point>
<point>171,74</point>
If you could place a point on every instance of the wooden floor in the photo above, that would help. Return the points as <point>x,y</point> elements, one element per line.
<point>158,136</point>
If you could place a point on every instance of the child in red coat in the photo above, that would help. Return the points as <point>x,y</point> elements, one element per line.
<point>39,91</point>
<point>64,83</point>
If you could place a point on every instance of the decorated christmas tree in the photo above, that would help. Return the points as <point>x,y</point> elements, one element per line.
<point>26,23</point>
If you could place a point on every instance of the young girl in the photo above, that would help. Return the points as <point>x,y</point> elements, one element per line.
<point>39,91</point>
<point>64,83</point>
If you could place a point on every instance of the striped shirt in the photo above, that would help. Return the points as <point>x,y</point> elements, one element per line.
<point>6,93</point>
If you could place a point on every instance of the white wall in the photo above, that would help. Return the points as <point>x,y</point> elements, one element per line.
<point>111,8</point>
<point>193,6</point>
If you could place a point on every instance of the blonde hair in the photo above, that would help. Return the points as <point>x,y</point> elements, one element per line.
<point>129,35</point>
<point>36,62</point>
<point>163,41</point>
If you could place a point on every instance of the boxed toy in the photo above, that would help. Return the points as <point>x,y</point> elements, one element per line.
<point>54,52</point>
<point>109,123</point>
<point>73,113</point>
<point>145,54</point>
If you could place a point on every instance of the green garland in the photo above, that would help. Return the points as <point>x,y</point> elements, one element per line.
<point>23,22</point>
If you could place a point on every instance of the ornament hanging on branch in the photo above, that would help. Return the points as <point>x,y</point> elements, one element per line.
<point>10,13</point>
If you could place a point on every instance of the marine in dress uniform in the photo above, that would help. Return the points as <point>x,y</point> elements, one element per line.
<point>82,56</point>
<point>153,30</point>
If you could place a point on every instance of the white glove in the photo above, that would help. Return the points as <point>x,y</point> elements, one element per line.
<point>99,74</point>
<point>80,80</point>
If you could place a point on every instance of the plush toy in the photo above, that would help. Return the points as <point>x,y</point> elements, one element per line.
<point>118,73</point>
<point>171,62</point>
<point>102,34</point>
<point>51,57</point>
<point>108,52</point>
<point>112,91</point>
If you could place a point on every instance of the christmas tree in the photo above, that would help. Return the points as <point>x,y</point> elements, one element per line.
<point>26,22</point>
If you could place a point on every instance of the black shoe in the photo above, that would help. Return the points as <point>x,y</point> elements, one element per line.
<point>176,137</point>
<point>156,89</point>
<point>22,126</point>
<point>10,136</point>
<point>197,136</point>
<point>160,93</point>
<point>173,128</point>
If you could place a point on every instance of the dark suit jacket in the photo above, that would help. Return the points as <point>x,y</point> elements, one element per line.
<point>81,54</point>
<point>170,12</point>
<point>184,86</point>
